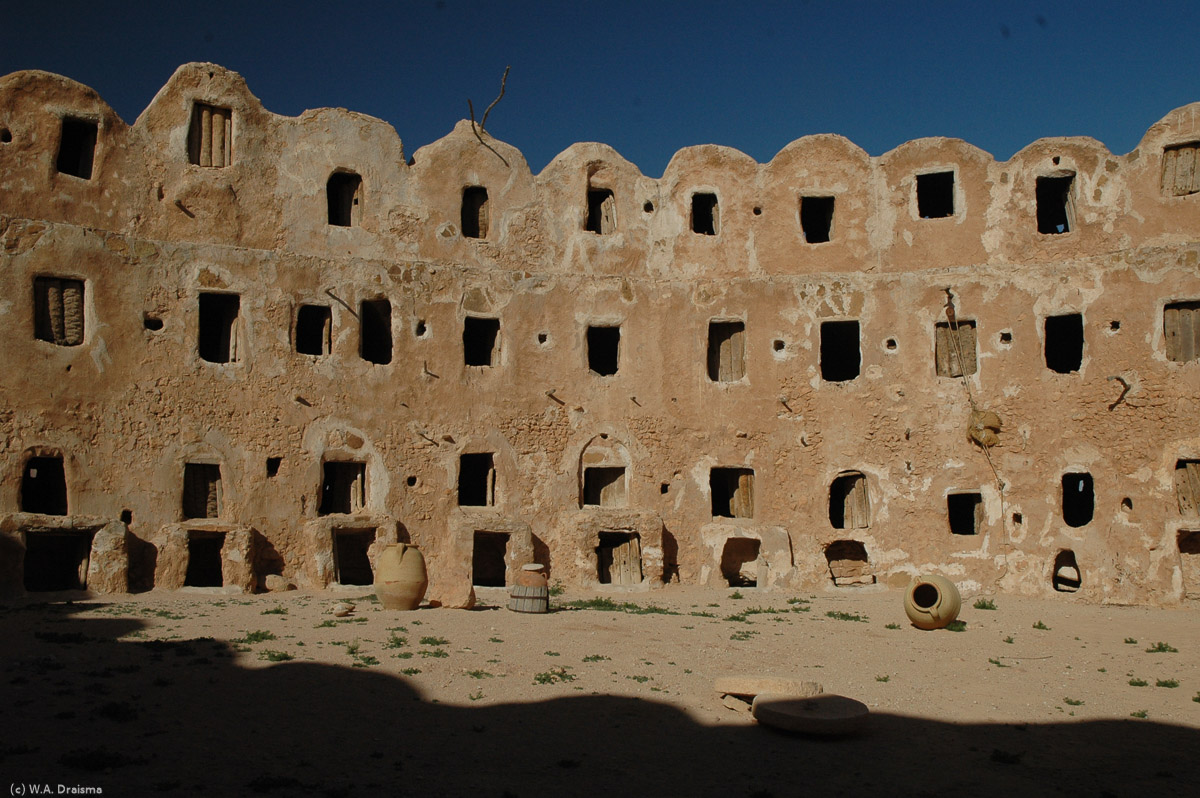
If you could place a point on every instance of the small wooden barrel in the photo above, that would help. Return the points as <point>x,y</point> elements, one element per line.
<point>529,599</point>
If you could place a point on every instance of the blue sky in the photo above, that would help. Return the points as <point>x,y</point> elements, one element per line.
<point>649,78</point>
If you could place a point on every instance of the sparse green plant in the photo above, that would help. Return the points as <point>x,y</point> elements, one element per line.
<point>277,610</point>
<point>639,679</point>
<point>1140,713</point>
<point>1101,670</point>
<point>259,636</point>
<point>883,678</point>
<point>495,640</point>
<point>845,616</point>
<point>742,634</point>
<point>997,663</point>
<point>956,626</point>
<point>984,604</point>
<point>702,614</point>
<point>167,614</point>
<point>403,655</point>
<point>328,623</point>
<point>741,617</point>
<point>736,595</point>
<point>608,605</point>
<point>557,589</point>
<point>353,647</point>
<point>797,600</point>
<point>434,641</point>
<point>551,653</point>
<point>1162,648</point>
<point>479,674</point>
<point>1166,682</point>
<point>596,658</point>
<point>475,696</point>
<point>395,641</point>
<point>365,660</point>
<point>1073,702</point>
<point>275,656</point>
<point>1131,641</point>
<point>436,653</point>
<point>1196,698</point>
<point>1138,682</point>
<point>554,675</point>
<point>891,626</point>
<point>1042,626</point>
<point>411,671</point>
<point>1008,639</point>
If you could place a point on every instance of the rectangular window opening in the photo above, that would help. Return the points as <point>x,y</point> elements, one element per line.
<point>480,337</point>
<point>77,147</point>
<point>604,486</point>
<point>343,193</point>
<point>726,351</point>
<point>840,355</point>
<point>1055,207</point>
<point>1180,176</point>
<point>44,486</point>
<point>739,562</point>
<point>58,310</point>
<point>57,559</point>
<point>935,195</point>
<point>488,566</point>
<point>343,487</point>
<point>1064,343</point>
<point>603,349</point>
<point>849,503</point>
<point>706,216</point>
<point>619,558</point>
<point>210,137</point>
<point>1187,488</point>
<point>201,490</point>
<point>204,559</point>
<point>1078,499</point>
<point>351,556</point>
<point>1181,330</point>
<point>1188,541</point>
<point>375,331</point>
<point>218,328</point>
<point>314,330</point>
<point>816,219</point>
<point>475,212</point>
<point>601,211</point>
<point>965,513</point>
<point>476,480</point>
<point>273,464</point>
<point>954,349</point>
<point>732,492</point>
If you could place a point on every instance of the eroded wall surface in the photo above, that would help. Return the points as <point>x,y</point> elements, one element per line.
<point>769,409</point>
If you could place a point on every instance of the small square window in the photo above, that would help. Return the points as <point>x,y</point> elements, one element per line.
<point>314,325</point>
<point>841,357</point>
<point>706,217</point>
<point>954,349</point>
<point>1180,176</point>
<point>601,211</point>
<point>1181,329</point>
<point>1055,205</point>
<point>965,513</point>
<point>210,137</point>
<point>726,351</point>
<point>816,219</point>
<point>58,310</point>
<point>343,194</point>
<point>935,195</point>
<point>476,480</point>
<point>481,338</point>
<point>604,486</point>
<point>201,490</point>
<point>77,147</point>
<point>343,487</point>
<point>218,328</point>
<point>603,349</point>
<point>1064,343</point>
<point>732,492</point>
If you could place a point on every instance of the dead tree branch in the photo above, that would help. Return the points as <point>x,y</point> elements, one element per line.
<point>477,130</point>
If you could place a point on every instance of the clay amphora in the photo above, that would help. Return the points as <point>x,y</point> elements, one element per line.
<point>931,601</point>
<point>400,577</point>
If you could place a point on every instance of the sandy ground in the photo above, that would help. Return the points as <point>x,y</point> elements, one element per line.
<point>195,693</point>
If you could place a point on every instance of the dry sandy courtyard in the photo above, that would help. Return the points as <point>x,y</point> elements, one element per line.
<point>193,693</point>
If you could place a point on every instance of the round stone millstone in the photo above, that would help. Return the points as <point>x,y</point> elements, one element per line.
<point>826,715</point>
<point>745,686</point>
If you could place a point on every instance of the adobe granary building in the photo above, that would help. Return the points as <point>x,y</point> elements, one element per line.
<point>241,345</point>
